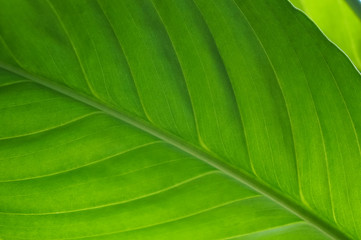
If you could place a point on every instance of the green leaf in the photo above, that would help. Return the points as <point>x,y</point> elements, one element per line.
<point>167,119</point>
<point>339,22</point>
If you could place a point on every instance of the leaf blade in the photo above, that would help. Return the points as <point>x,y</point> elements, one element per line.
<point>272,116</point>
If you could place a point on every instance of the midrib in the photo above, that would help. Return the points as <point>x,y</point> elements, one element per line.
<point>209,158</point>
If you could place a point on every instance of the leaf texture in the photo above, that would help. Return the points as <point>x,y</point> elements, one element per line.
<point>339,22</point>
<point>165,119</point>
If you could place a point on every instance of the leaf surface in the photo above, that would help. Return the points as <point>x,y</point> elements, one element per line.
<point>168,119</point>
<point>339,22</point>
